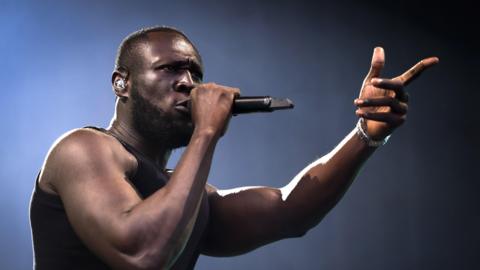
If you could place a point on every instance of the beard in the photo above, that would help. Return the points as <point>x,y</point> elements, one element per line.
<point>158,126</point>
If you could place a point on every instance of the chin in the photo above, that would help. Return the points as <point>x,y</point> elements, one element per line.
<point>163,128</point>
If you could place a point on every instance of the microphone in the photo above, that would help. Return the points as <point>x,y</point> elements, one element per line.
<point>253,104</point>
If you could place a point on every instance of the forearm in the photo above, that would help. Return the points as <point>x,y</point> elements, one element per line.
<point>319,186</point>
<point>168,216</point>
<point>187,187</point>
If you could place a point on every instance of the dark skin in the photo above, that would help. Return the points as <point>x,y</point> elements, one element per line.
<point>128,232</point>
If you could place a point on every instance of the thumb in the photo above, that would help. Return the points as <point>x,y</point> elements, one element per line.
<point>378,61</point>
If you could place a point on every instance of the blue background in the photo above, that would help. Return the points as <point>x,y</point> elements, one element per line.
<point>415,203</point>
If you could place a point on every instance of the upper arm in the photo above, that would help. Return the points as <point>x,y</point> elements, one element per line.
<point>244,219</point>
<point>89,172</point>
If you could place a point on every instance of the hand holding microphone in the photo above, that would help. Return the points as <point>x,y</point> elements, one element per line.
<point>210,107</point>
<point>253,104</point>
<point>209,104</point>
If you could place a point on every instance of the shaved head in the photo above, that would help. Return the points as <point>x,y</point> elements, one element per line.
<point>127,58</point>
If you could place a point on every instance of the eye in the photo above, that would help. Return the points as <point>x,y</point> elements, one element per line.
<point>196,76</point>
<point>168,68</point>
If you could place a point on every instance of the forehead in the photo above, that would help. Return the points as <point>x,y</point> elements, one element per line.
<point>167,47</point>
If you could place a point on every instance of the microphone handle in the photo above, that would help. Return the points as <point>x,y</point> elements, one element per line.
<point>251,104</point>
<point>254,104</point>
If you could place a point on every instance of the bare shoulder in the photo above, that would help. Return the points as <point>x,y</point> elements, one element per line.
<point>81,151</point>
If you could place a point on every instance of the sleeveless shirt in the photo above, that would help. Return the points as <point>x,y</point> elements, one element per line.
<point>55,244</point>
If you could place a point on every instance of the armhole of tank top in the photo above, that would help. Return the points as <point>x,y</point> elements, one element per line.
<point>44,195</point>
<point>167,172</point>
<point>126,147</point>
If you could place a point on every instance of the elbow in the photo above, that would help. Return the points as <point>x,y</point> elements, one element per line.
<point>144,258</point>
<point>137,253</point>
<point>298,227</point>
<point>298,223</point>
<point>300,233</point>
<point>296,231</point>
<point>140,245</point>
<point>147,262</point>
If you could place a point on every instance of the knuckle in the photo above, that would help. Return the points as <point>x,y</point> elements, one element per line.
<point>377,64</point>
<point>210,85</point>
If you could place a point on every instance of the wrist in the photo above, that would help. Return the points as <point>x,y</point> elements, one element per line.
<point>206,133</point>
<point>361,131</point>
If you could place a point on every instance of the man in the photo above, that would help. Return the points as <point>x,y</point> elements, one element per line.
<point>104,198</point>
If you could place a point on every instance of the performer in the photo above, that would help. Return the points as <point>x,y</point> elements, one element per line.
<point>104,199</point>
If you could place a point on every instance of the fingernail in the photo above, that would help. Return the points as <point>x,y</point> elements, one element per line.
<point>376,81</point>
<point>358,101</point>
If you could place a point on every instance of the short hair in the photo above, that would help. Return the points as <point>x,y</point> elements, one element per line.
<point>127,50</point>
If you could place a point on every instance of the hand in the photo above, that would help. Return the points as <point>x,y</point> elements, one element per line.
<point>211,107</point>
<point>383,102</point>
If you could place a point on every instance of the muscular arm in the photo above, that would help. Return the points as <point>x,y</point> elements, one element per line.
<point>90,173</point>
<point>246,218</point>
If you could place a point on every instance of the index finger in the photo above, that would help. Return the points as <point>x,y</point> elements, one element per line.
<point>416,70</point>
<point>236,92</point>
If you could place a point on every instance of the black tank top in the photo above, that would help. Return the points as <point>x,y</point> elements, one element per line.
<point>55,244</point>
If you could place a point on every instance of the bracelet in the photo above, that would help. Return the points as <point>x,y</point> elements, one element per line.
<point>360,130</point>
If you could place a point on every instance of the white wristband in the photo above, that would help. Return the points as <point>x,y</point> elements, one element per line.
<point>360,130</point>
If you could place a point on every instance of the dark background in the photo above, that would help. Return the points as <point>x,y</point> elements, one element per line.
<point>415,203</point>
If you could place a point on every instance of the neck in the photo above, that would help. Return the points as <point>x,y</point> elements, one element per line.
<point>153,150</point>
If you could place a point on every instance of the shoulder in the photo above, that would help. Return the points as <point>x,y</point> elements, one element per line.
<point>87,144</point>
<point>80,151</point>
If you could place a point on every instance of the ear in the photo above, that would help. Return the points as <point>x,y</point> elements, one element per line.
<point>120,84</point>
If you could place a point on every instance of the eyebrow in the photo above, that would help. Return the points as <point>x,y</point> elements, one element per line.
<point>181,63</point>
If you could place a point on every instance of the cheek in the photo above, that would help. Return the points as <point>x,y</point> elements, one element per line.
<point>165,102</point>
<point>149,77</point>
<point>158,92</point>
<point>160,101</point>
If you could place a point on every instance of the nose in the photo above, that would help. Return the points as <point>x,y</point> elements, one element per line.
<point>185,82</point>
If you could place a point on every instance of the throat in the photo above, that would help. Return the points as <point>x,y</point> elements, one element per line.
<point>155,152</point>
